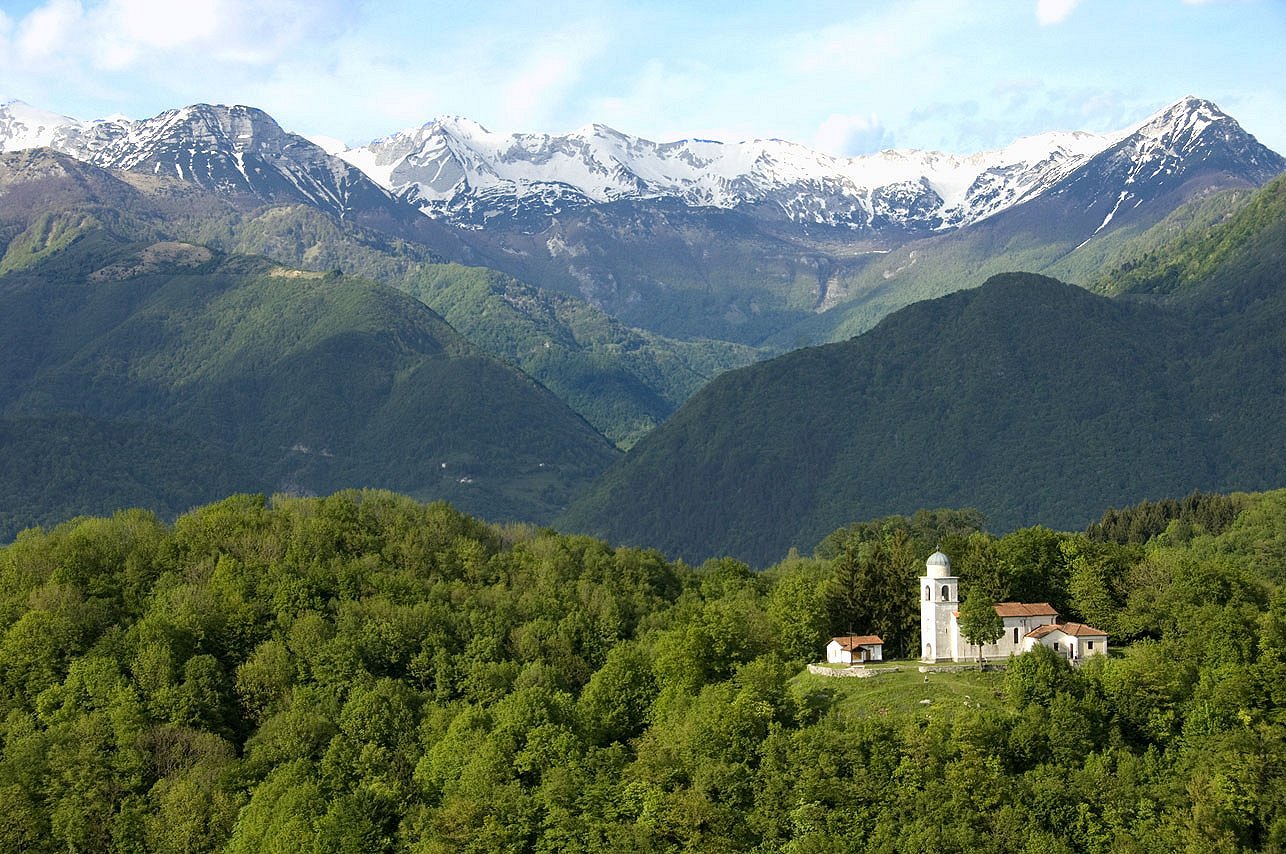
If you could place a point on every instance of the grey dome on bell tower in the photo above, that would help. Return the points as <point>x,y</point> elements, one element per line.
<point>938,566</point>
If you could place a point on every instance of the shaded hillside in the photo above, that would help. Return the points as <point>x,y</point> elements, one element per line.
<point>311,381</point>
<point>60,466</point>
<point>1028,398</point>
<point>624,381</point>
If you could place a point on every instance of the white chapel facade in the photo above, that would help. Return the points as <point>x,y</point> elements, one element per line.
<point>1026,624</point>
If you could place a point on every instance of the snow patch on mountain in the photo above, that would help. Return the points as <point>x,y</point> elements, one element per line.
<point>237,150</point>
<point>457,169</point>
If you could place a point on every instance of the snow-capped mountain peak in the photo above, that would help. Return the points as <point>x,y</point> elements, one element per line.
<point>237,150</point>
<point>24,126</point>
<point>456,169</point>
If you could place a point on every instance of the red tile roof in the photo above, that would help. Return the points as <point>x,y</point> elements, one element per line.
<point>1024,609</point>
<point>1081,630</point>
<point>1078,630</point>
<point>852,642</point>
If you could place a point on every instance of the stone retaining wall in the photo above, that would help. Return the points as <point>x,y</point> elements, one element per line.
<point>859,671</point>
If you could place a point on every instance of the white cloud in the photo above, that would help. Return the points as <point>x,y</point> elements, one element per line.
<point>546,74</point>
<point>1054,11</point>
<point>849,136</point>
<point>120,35</point>
<point>651,101</point>
<point>48,30</point>
<point>867,45</point>
<point>131,29</point>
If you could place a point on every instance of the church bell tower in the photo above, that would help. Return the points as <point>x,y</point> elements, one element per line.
<point>939,598</point>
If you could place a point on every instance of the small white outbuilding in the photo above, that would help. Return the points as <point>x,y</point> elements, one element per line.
<point>1073,640</point>
<point>855,649</point>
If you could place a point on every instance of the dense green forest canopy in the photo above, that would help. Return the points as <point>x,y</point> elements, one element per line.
<point>363,672</point>
<point>168,374</point>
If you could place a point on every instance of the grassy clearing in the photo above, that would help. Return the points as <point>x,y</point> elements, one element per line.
<point>899,693</point>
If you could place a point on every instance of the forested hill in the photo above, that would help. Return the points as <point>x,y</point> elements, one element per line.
<point>165,374</point>
<point>365,673</point>
<point>1238,260</point>
<point>1027,398</point>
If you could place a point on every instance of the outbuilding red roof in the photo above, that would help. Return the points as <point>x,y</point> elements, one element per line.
<point>1078,630</point>
<point>1081,630</point>
<point>852,642</point>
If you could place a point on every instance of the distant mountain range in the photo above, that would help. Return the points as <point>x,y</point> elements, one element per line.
<point>752,242</point>
<point>457,170</point>
<point>768,242</point>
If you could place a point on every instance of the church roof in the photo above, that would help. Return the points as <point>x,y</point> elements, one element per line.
<point>852,642</point>
<point>1078,630</point>
<point>1025,609</point>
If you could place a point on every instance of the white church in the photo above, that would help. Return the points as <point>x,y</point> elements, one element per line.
<point>1026,624</point>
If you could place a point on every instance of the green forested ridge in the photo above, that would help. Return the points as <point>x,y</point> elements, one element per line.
<point>1209,513</point>
<point>1027,398</point>
<point>365,673</point>
<point>1210,254</point>
<point>622,380</point>
<point>284,380</point>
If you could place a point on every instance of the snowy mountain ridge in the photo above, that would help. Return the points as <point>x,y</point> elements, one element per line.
<point>448,165</point>
<point>454,169</point>
<point>235,150</point>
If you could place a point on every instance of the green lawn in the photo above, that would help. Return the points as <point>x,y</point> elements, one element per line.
<point>898,693</point>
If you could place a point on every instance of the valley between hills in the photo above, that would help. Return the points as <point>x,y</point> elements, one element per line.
<point>482,492</point>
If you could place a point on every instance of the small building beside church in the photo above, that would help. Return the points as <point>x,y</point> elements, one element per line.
<point>1074,640</point>
<point>1026,624</point>
<point>855,649</point>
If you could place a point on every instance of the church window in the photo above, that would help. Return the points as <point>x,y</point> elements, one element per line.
<point>946,592</point>
<point>1015,634</point>
<point>1089,644</point>
<point>927,593</point>
<point>1055,646</point>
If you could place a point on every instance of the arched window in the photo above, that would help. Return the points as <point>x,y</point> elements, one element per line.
<point>928,651</point>
<point>928,594</point>
<point>946,592</point>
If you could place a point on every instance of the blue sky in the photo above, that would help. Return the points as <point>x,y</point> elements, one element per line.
<point>848,77</point>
